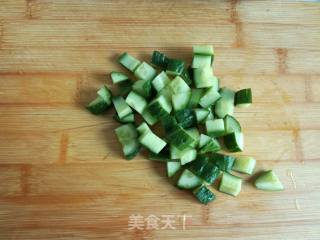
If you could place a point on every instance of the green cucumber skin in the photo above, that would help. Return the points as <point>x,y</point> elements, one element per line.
<point>196,94</point>
<point>156,109</point>
<point>143,87</point>
<point>203,194</point>
<point>212,146</point>
<point>231,143</point>
<point>124,87</point>
<point>224,162</point>
<point>188,180</point>
<point>159,59</point>
<point>126,119</point>
<point>231,124</point>
<point>98,107</point>
<point>243,96</point>
<point>186,118</point>
<point>168,122</point>
<point>175,67</point>
<point>180,138</point>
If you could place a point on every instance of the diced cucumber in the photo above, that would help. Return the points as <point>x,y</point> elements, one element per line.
<point>143,88</point>
<point>195,134</point>
<point>204,139</point>
<point>152,141</point>
<point>127,136</point>
<point>160,81</point>
<point>205,170</point>
<point>180,100</point>
<point>188,180</point>
<point>143,128</point>
<point>196,94</point>
<point>121,106</point>
<point>225,105</point>
<point>145,72</point>
<point>180,138</point>
<point>178,85</point>
<point>118,77</point>
<point>243,98</point>
<point>244,164</point>
<point>159,107</point>
<point>201,114</point>
<point>209,98</point>
<point>98,106</point>
<point>162,156</point>
<point>173,168</point>
<point>168,122</point>
<point>231,124</point>
<point>234,141</point>
<point>124,87</point>
<point>201,61</point>
<point>204,78</point>
<point>187,75</point>
<point>210,115</point>
<point>151,120</point>
<point>230,184</point>
<point>268,181</point>
<point>175,153</point>
<point>186,117</point>
<point>211,146</point>
<point>131,149</point>
<point>215,127</point>
<point>128,61</point>
<point>175,67</point>
<point>105,93</point>
<point>203,194</point>
<point>188,156</point>
<point>126,119</point>
<point>203,50</point>
<point>137,102</point>
<point>159,59</point>
<point>224,162</point>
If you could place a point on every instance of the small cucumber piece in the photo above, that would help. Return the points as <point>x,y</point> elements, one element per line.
<point>143,88</point>
<point>215,127</point>
<point>244,164</point>
<point>243,98</point>
<point>203,194</point>
<point>204,78</point>
<point>151,120</point>
<point>224,162</point>
<point>129,62</point>
<point>225,105</point>
<point>136,101</point>
<point>188,156</point>
<point>178,85</point>
<point>180,100</point>
<point>152,141</point>
<point>118,77</point>
<point>173,168</point>
<point>122,108</point>
<point>230,184</point>
<point>159,107</point>
<point>209,97</point>
<point>231,124</point>
<point>145,72</point>
<point>204,139</point>
<point>203,50</point>
<point>175,67</point>
<point>159,59</point>
<point>268,181</point>
<point>188,180</point>
<point>126,119</point>
<point>160,81</point>
<point>234,141</point>
<point>201,61</point>
<point>211,146</point>
<point>143,128</point>
<point>98,106</point>
<point>201,114</point>
<point>196,94</point>
<point>186,118</point>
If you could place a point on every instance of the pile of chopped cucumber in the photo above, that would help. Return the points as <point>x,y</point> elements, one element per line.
<point>196,117</point>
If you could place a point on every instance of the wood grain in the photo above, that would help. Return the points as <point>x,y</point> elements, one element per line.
<point>62,174</point>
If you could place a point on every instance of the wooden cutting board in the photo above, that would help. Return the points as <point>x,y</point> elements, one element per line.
<point>62,174</point>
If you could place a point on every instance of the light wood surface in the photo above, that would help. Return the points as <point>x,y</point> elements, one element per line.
<point>62,175</point>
